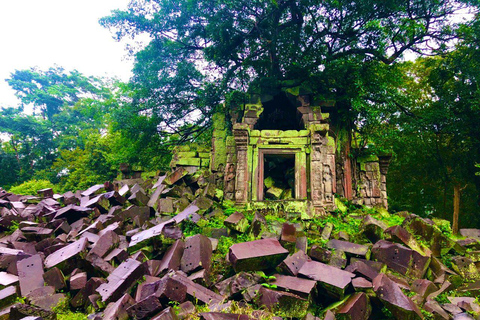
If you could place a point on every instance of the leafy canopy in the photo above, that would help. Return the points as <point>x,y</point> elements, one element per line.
<point>199,51</point>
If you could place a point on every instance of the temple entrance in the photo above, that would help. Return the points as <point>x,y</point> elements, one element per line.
<point>279,177</point>
<point>281,174</point>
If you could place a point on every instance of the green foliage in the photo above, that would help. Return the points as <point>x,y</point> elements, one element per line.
<point>31,187</point>
<point>200,54</point>
<point>62,309</point>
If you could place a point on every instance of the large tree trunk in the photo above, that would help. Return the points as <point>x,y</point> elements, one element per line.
<point>347,169</point>
<point>456,207</point>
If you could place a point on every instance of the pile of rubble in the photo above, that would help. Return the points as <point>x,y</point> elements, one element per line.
<point>154,250</point>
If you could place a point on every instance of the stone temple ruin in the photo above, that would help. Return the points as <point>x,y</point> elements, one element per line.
<point>283,148</point>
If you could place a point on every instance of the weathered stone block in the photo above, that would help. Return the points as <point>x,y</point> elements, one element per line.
<point>299,286</point>
<point>66,253</point>
<point>237,283</point>
<point>394,299</point>
<point>30,274</point>
<point>197,254</point>
<point>400,259</point>
<point>357,307</point>
<point>237,221</point>
<point>256,255</point>
<point>121,279</point>
<point>334,280</point>
<point>349,248</point>
<point>289,304</point>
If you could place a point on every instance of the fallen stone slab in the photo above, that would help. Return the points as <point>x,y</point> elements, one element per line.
<point>373,229</point>
<point>357,307</point>
<point>465,267</point>
<point>7,279</point>
<point>434,308</point>
<point>73,213</point>
<point>463,316</point>
<point>423,287</point>
<point>320,254</point>
<point>256,255</point>
<point>45,298</point>
<point>78,281</point>
<point>117,256</point>
<point>400,259</point>
<point>360,284</point>
<point>436,241</point>
<point>289,233</point>
<point>334,280</point>
<point>144,308</point>
<point>30,274</point>
<point>189,213</point>
<point>197,291</point>
<point>166,289</point>
<point>172,258</point>
<point>401,235</point>
<point>289,304</point>
<point>349,248</point>
<point>294,262</point>
<point>166,314</point>
<point>197,254</point>
<point>108,241</point>
<point>8,296</point>
<point>81,298</point>
<point>394,299</point>
<point>121,280</point>
<point>223,316</point>
<point>117,310</point>
<point>143,236</point>
<point>299,286</point>
<point>65,253</point>
<point>237,283</point>
<point>21,311</point>
<point>361,268</point>
<point>93,190</point>
<point>237,222</point>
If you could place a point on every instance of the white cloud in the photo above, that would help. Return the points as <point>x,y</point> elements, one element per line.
<point>42,33</point>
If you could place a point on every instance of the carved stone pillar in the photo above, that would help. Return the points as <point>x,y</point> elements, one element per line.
<point>240,133</point>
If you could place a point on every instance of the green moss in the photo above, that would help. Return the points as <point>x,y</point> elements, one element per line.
<point>31,187</point>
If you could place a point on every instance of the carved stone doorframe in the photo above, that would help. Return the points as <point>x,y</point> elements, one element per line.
<point>300,171</point>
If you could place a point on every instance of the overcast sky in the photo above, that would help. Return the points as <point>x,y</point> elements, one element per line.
<point>42,33</point>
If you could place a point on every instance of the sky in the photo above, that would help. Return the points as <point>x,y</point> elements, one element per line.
<point>44,33</point>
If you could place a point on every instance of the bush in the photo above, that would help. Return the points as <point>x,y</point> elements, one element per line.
<point>31,187</point>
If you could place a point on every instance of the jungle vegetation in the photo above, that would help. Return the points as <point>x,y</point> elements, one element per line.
<point>404,75</point>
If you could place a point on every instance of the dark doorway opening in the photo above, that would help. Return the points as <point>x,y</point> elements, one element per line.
<point>279,114</point>
<point>279,177</point>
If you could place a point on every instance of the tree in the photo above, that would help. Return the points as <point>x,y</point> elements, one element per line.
<point>200,51</point>
<point>435,136</point>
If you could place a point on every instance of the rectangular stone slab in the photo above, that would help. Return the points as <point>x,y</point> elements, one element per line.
<point>149,233</point>
<point>356,307</point>
<point>328,276</point>
<point>348,247</point>
<point>54,277</point>
<point>197,254</point>
<point>8,296</point>
<point>30,274</point>
<point>401,306</point>
<point>294,262</point>
<point>7,279</point>
<point>299,286</point>
<point>197,291</point>
<point>66,253</point>
<point>189,211</point>
<point>401,259</point>
<point>144,308</point>
<point>121,279</point>
<point>257,255</point>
